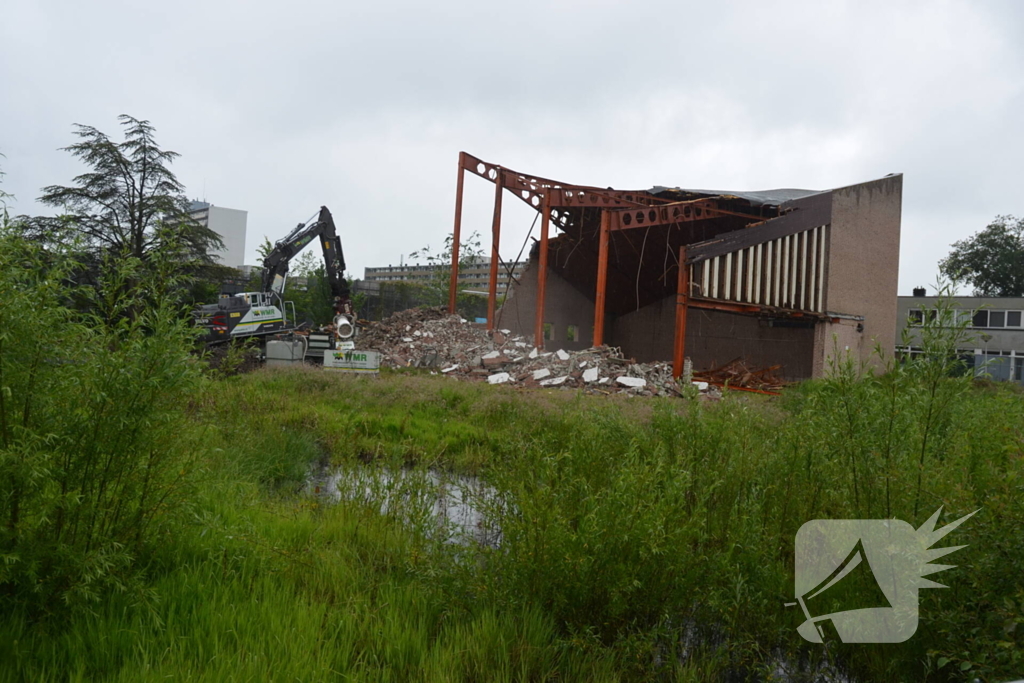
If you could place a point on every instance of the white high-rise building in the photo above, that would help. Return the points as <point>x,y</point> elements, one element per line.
<point>229,224</point>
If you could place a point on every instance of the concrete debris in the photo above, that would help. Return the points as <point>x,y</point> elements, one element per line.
<point>467,351</point>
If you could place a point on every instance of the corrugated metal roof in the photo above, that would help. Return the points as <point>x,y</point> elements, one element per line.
<point>755,198</point>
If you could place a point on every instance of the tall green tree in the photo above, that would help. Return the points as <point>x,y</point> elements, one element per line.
<point>992,261</point>
<point>129,204</point>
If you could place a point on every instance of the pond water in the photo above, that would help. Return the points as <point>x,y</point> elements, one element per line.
<point>452,505</point>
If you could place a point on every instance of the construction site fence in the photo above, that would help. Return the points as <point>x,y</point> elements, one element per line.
<point>382,301</point>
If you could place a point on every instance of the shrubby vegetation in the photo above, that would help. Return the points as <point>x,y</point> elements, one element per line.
<point>94,456</point>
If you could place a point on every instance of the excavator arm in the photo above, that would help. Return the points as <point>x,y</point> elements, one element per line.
<point>275,266</point>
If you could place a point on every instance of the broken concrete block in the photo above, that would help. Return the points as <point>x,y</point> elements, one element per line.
<point>591,375</point>
<point>506,332</point>
<point>562,355</point>
<point>449,369</point>
<point>521,345</point>
<point>583,364</point>
<point>492,354</point>
<point>499,378</point>
<point>541,374</point>
<point>407,339</point>
<point>534,353</point>
<point>605,380</point>
<point>554,381</point>
<point>631,381</point>
<point>701,386</point>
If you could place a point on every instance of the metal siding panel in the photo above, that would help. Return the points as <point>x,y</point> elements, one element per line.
<point>757,273</point>
<point>727,289</point>
<point>784,299</point>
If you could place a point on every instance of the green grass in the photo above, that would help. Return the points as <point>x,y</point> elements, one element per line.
<point>627,524</point>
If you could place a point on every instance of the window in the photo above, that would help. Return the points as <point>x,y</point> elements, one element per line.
<point>549,331</point>
<point>980,319</point>
<point>916,317</point>
<point>1013,318</point>
<point>572,333</point>
<point>997,318</point>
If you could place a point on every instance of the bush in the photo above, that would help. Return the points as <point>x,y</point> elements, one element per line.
<point>94,454</point>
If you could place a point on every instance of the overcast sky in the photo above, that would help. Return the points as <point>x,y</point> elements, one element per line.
<point>279,108</point>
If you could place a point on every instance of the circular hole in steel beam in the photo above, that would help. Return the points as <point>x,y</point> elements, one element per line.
<point>481,169</point>
<point>492,174</point>
<point>626,219</point>
<point>640,217</point>
<point>651,215</point>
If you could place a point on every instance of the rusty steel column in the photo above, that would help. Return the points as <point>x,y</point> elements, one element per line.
<point>682,307</point>
<point>453,285</point>
<point>602,278</point>
<point>542,273</point>
<point>492,292</point>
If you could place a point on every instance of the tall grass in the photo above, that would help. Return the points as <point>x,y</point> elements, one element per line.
<point>641,539</point>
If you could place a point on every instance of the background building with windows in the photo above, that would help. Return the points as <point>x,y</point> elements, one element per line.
<point>474,277</point>
<point>995,343</point>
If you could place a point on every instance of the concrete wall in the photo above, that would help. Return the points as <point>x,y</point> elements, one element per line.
<point>713,338</point>
<point>863,268</point>
<point>564,305</point>
<point>230,225</point>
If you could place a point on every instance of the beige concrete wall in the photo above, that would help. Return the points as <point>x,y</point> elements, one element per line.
<point>564,305</point>
<point>863,268</point>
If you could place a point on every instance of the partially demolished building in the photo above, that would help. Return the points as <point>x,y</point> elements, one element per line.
<point>778,278</point>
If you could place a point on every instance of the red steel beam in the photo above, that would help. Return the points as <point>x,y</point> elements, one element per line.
<point>492,294</point>
<point>453,285</point>
<point>682,307</point>
<point>602,278</point>
<point>669,214</point>
<point>542,274</point>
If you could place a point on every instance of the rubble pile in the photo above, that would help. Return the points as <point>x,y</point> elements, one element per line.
<point>736,373</point>
<point>429,337</point>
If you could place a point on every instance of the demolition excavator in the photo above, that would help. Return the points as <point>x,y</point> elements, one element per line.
<point>263,313</point>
